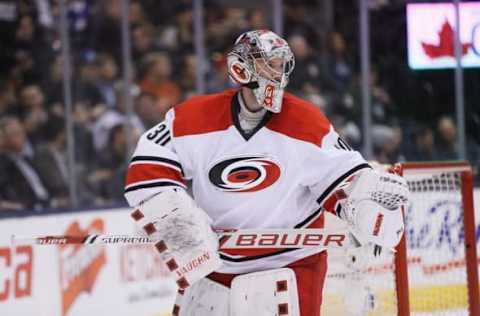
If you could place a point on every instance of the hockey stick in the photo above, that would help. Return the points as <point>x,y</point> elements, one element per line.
<point>229,239</point>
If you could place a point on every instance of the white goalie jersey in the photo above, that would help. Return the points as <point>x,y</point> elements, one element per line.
<point>278,176</point>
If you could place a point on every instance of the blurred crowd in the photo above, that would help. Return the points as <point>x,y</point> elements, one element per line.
<point>33,139</point>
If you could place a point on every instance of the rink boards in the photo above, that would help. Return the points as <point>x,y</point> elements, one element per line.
<point>77,281</point>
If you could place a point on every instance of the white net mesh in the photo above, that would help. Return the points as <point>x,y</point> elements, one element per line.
<point>436,245</point>
<point>358,283</point>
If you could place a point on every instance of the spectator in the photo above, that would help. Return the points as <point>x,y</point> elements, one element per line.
<point>31,52</point>
<point>79,18</point>
<point>108,179</point>
<point>34,113</point>
<point>302,18</point>
<point>423,146</point>
<point>157,79</point>
<point>51,159</point>
<point>135,121</point>
<point>383,109</point>
<point>448,147</point>
<point>107,118</point>
<point>217,78</point>
<point>22,186</point>
<point>53,86</point>
<point>348,130</point>
<point>143,41</point>
<point>256,20</point>
<point>147,110</point>
<point>7,97</point>
<point>447,139</point>
<point>117,162</point>
<point>106,32</point>
<point>136,13</point>
<point>183,28</point>
<point>85,88</point>
<point>188,77</point>
<point>386,144</point>
<point>338,65</point>
<point>8,25</point>
<point>308,70</point>
<point>85,84</point>
<point>107,76</point>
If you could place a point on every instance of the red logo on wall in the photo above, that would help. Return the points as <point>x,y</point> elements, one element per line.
<point>79,264</point>
<point>446,45</point>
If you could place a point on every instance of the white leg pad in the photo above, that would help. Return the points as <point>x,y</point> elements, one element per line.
<point>265,293</point>
<point>205,297</point>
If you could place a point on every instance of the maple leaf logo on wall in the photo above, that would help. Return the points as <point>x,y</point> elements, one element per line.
<point>446,46</point>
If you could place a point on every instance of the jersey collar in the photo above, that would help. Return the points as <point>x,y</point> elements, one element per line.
<point>235,106</point>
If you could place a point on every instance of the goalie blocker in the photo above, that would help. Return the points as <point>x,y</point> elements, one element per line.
<point>182,235</point>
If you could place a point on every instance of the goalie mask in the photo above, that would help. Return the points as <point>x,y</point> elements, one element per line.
<point>262,60</point>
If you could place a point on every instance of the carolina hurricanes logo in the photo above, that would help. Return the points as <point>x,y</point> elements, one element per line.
<point>244,174</point>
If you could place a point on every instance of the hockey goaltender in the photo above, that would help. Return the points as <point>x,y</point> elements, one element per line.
<point>257,158</point>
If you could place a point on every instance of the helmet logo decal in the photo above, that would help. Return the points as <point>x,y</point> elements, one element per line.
<point>268,101</point>
<point>239,73</point>
<point>244,174</point>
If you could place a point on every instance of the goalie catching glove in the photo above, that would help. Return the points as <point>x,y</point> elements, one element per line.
<point>373,207</point>
<point>182,235</point>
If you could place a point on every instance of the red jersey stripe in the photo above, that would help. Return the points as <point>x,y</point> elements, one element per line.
<point>146,172</point>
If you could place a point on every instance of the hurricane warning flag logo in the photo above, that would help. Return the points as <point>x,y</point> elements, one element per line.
<point>244,174</point>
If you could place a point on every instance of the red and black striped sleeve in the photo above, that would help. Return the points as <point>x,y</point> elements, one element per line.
<point>155,166</point>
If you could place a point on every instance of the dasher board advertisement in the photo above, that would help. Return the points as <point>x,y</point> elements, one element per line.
<point>79,280</point>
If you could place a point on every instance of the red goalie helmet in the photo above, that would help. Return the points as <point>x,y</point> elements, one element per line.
<point>262,61</point>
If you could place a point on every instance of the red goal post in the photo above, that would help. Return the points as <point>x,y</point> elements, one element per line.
<point>464,171</point>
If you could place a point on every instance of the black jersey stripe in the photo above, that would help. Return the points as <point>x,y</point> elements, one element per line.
<point>309,218</point>
<point>158,159</point>
<point>337,182</point>
<point>152,185</point>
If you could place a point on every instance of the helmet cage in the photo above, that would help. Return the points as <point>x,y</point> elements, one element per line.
<point>250,48</point>
<point>253,62</point>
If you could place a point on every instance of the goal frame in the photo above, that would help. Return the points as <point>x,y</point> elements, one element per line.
<point>401,266</point>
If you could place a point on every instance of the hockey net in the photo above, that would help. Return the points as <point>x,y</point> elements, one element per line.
<point>434,269</point>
